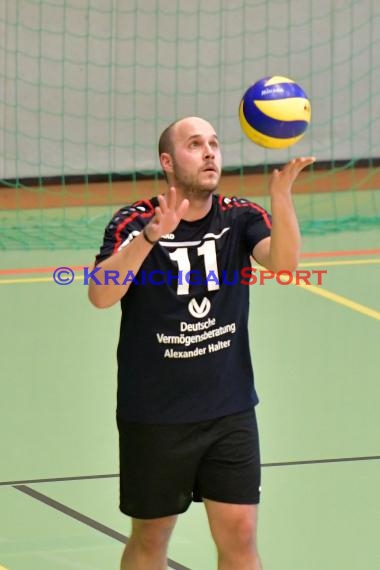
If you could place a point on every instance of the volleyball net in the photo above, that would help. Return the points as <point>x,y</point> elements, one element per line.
<point>87,86</point>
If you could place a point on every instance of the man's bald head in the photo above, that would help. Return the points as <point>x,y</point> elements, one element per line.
<point>167,138</point>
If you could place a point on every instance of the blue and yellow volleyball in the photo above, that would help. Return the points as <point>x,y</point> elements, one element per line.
<point>275,112</point>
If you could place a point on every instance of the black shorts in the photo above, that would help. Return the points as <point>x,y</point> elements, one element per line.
<point>164,467</point>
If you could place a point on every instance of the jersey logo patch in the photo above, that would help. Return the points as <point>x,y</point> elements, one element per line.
<point>201,310</point>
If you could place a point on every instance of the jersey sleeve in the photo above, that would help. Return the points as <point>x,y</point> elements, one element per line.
<point>125,225</point>
<point>258,225</point>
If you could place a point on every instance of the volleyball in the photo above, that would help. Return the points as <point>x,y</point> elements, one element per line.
<point>275,112</point>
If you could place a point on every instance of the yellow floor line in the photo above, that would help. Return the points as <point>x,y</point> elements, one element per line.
<point>341,300</point>
<point>340,262</point>
<point>358,307</point>
<point>78,278</point>
<point>26,280</point>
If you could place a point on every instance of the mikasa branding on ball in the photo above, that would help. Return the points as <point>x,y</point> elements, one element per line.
<point>275,112</point>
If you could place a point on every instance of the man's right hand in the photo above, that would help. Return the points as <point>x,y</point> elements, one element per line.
<point>167,215</point>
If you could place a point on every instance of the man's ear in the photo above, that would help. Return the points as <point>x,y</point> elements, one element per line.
<point>166,162</point>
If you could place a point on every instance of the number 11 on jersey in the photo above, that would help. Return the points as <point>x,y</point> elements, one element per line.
<point>181,256</point>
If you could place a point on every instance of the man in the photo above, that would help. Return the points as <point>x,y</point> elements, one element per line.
<point>186,398</point>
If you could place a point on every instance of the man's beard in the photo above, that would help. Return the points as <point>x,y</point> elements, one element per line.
<point>198,192</point>
<point>191,187</point>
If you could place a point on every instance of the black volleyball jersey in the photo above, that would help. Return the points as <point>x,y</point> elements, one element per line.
<point>183,352</point>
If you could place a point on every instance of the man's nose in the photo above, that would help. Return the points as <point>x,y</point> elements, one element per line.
<point>209,151</point>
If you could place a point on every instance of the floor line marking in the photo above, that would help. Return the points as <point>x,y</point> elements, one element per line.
<point>341,253</point>
<point>84,519</point>
<point>57,479</point>
<point>115,475</point>
<point>22,270</point>
<point>338,263</point>
<point>26,280</point>
<point>340,300</point>
<point>320,461</point>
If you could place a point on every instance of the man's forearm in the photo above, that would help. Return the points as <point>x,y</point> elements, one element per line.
<point>127,259</point>
<point>285,243</point>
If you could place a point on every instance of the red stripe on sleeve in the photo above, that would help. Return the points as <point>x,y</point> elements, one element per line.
<point>121,226</point>
<point>263,213</point>
<point>235,203</point>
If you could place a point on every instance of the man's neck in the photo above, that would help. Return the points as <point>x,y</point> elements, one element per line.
<point>199,205</point>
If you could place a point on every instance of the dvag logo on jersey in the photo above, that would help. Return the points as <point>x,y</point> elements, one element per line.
<point>201,310</point>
